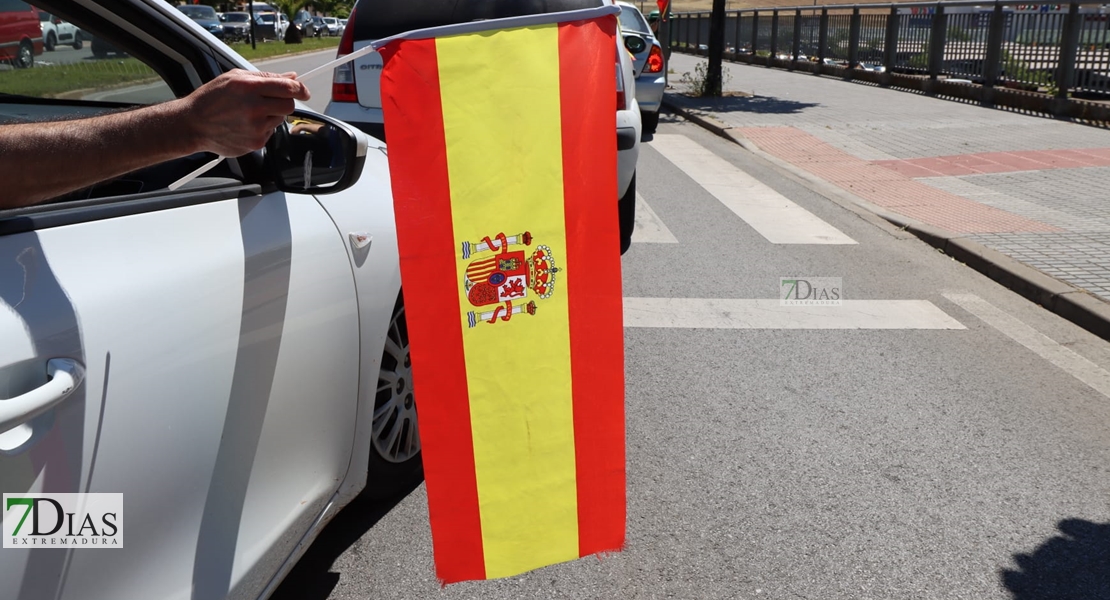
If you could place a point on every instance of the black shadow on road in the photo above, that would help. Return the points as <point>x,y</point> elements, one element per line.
<point>312,578</point>
<point>767,105</point>
<point>1073,565</point>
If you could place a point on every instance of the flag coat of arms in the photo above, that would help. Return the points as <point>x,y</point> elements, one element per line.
<point>503,161</point>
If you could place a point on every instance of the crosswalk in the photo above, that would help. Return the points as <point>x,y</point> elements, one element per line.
<point>779,221</point>
<point>768,212</point>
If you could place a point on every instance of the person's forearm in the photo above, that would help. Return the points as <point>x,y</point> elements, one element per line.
<point>45,160</point>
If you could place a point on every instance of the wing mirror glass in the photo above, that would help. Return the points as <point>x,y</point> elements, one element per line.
<point>635,43</point>
<point>314,154</point>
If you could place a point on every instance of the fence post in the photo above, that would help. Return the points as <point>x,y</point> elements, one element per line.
<point>853,40</point>
<point>937,40</point>
<point>755,33</point>
<point>992,63</point>
<point>890,47</point>
<point>697,37</point>
<point>796,43</point>
<point>736,41</point>
<point>1069,47</point>
<point>822,40</point>
<point>774,38</point>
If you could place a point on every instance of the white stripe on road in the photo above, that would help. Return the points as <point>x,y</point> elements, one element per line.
<point>1043,346</point>
<point>649,227</point>
<point>712,313</point>
<point>765,210</point>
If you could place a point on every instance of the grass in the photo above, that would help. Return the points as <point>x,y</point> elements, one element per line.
<point>51,81</point>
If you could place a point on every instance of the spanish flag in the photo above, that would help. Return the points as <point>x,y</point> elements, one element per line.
<point>502,154</point>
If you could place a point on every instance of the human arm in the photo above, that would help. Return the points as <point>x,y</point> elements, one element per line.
<point>231,115</point>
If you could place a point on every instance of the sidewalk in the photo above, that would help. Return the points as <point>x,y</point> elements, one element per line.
<point>966,178</point>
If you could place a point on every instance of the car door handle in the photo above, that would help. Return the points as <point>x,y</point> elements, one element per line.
<point>65,375</point>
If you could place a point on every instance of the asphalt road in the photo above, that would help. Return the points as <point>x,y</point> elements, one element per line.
<point>827,462</point>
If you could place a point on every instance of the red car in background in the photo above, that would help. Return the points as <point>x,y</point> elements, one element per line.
<point>20,34</point>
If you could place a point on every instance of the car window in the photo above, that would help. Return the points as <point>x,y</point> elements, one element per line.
<point>237,17</point>
<point>632,20</point>
<point>85,67</point>
<point>199,12</point>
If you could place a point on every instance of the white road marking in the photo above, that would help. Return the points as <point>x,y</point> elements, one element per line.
<point>765,210</point>
<point>723,313</point>
<point>1067,359</point>
<point>649,227</point>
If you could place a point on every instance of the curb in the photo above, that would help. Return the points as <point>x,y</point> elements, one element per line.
<point>1064,299</point>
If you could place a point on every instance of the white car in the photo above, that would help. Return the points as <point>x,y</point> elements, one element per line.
<point>231,356</point>
<point>356,89</point>
<point>649,66</point>
<point>56,31</point>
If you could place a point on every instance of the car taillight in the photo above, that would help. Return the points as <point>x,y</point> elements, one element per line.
<point>620,88</point>
<point>343,87</point>
<point>655,60</point>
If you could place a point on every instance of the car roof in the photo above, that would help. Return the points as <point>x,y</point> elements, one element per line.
<point>377,19</point>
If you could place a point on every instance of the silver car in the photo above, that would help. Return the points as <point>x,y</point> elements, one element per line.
<point>230,357</point>
<point>649,64</point>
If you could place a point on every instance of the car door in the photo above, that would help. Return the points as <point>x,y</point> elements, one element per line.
<point>217,330</point>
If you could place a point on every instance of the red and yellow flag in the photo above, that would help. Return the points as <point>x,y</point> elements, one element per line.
<point>502,153</point>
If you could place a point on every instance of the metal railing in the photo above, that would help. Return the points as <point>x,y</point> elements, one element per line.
<point>1060,49</point>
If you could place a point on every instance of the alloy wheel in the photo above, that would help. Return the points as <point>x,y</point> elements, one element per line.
<point>395,435</point>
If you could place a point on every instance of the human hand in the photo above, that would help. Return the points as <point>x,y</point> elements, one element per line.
<point>237,112</point>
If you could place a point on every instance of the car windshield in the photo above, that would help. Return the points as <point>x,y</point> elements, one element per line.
<point>632,20</point>
<point>199,12</point>
<point>266,18</point>
<point>237,18</point>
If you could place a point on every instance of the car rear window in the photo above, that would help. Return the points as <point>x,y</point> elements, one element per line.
<point>632,20</point>
<point>237,17</point>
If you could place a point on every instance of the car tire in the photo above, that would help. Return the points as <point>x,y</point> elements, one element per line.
<point>50,43</point>
<point>649,120</point>
<point>626,209</point>
<point>78,43</point>
<point>25,56</point>
<point>396,466</point>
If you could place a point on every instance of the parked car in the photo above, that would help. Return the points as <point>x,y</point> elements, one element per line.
<point>332,24</point>
<point>356,90</point>
<point>205,16</point>
<point>238,346</point>
<point>20,34</point>
<point>101,48</point>
<point>236,26</point>
<point>320,27</point>
<point>304,21</point>
<point>648,64</point>
<point>267,26</point>
<point>56,31</point>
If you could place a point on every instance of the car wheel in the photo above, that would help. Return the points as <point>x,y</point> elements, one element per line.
<point>25,57</point>
<point>626,209</point>
<point>78,43</point>
<point>395,439</point>
<point>51,42</point>
<point>650,121</point>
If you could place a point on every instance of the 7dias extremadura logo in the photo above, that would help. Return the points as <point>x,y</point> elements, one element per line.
<point>63,520</point>
<point>811,291</point>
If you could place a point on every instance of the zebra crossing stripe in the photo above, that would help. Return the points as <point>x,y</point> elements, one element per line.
<point>723,313</point>
<point>770,213</point>
<point>649,227</point>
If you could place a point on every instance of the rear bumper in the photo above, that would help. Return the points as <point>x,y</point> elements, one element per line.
<point>649,91</point>
<point>369,120</point>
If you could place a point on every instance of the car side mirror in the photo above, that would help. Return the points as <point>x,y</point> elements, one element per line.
<point>314,154</point>
<point>635,43</point>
